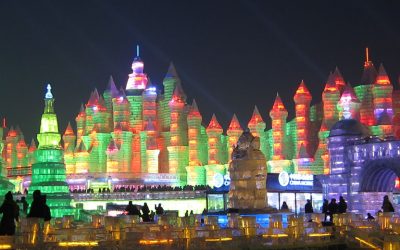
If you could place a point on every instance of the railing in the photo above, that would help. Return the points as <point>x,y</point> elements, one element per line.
<point>22,171</point>
<point>165,195</point>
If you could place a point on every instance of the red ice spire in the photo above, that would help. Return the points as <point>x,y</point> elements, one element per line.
<point>69,130</point>
<point>194,110</point>
<point>302,93</point>
<point>256,117</point>
<point>214,124</point>
<point>382,78</point>
<point>234,125</point>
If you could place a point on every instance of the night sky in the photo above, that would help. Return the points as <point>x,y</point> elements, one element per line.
<point>230,55</point>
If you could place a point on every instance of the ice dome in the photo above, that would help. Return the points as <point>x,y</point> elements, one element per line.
<point>348,127</point>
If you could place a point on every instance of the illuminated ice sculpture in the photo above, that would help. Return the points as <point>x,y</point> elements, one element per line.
<point>48,171</point>
<point>248,174</point>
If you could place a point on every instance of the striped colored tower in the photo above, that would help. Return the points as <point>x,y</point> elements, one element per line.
<point>69,149</point>
<point>81,159</point>
<point>257,127</point>
<point>113,165</point>
<point>330,98</point>
<point>215,165</point>
<point>256,123</point>
<point>234,131</point>
<point>382,92</point>
<point>80,124</point>
<point>121,110</point>
<point>123,139</point>
<point>11,148</point>
<point>349,105</point>
<point>338,80</point>
<point>302,100</point>
<point>171,79</point>
<point>152,150</point>
<point>22,150</point>
<point>178,150</point>
<point>31,150</point>
<point>150,105</point>
<point>278,115</point>
<point>364,92</point>
<point>109,94</point>
<point>195,170</point>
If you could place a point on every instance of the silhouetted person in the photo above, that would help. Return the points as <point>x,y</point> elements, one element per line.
<point>36,206</point>
<point>46,210</point>
<point>387,205</point>
<point>370,217</point>
<point>191,212</point>
<point>342,206</point>
<point>284,206</point>
<point>10,211</point>
<point>187,213</point>
<point>159,209</point>
<point>132,209</point>
<point>308,208</point>
<point>332,209</point>
<point>145,213</point>
<point>24,205</point>
<point>151,216</point>
<point>325,208</point>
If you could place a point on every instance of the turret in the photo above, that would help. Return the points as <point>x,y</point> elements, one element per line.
<point>338,79</point>
<point>152,150</point>
<point>149,104</point>
<point>382,94</point>
<point>112,157</point>
<point>137,79</point>
<point>22,151</point>
<point>278,115</point>
<point>177,105</point>
<point>364,92</point>
<point>178,153</point>
<point>81,159</point>
<point>121,111</point>
<point>330,98</point>
<point>194,125</point>
<point>80,124</point>
<point>31,151</point>
<point>171,80</point>
<point>369,73</point>
<point>11,148</point>
<point>302,100</point>
<point>109,94</point>
<point>349,105</point>
<point>256,123</point>
<point>69,139</point>
<point>214,131</point>
<point>234,131</point>
<point>69,148</point>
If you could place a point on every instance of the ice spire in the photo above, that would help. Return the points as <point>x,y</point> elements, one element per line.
<point>382,78</point>
<point>214,124</point>
<point>369,73</point>
<point>234,125</point>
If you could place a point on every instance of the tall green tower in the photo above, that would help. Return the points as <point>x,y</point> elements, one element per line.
<point>48,173</point>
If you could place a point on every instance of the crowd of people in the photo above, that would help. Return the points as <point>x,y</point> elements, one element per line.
<point>333,207</point>
<point>11,211</point>
<point>144,212</point>
<point>139,189</point>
